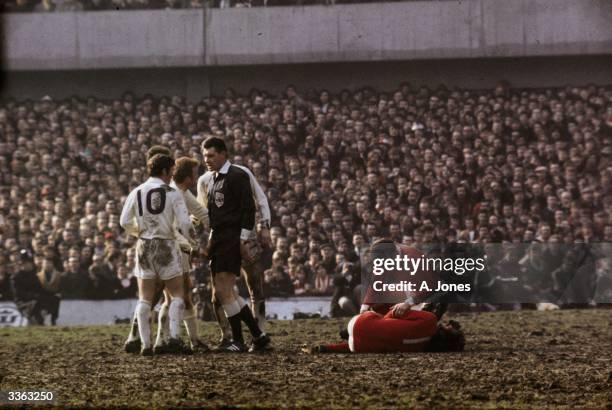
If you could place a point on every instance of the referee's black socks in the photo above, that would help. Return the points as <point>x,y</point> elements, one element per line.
<point>247,317</point>
<point>236,328</point>
<point>232,312</point>
<point>236,312</point>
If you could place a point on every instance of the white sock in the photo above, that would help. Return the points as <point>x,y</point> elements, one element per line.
<point>143,314</point>
<point>241,302</point>
<point>232,309</point>
<point>134,333</point>
<point>162,326</point>
<point>177,306</point>
<point>191,324</point>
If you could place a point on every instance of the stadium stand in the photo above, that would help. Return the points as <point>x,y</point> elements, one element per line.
<point>45,6</point>
<point>415,164</point>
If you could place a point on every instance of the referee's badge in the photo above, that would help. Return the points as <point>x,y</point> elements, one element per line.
<point>219,199</point>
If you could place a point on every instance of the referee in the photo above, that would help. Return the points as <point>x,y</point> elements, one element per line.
<point>231,211</point>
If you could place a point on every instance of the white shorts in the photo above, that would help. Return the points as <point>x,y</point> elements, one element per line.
<point>185,262</point>
<point>158,259</point>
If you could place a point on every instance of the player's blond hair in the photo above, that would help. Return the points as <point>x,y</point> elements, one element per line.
<point>184,168</point>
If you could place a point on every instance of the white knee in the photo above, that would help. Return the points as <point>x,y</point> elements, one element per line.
<point>231,309</point>
<point>175,313</point>
<point>177,303</point>
<point>240,301</point>
<point>143,308</point>
<point>143,313</point>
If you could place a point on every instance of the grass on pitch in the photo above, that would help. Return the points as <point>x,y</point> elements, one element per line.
<point>512,359</point>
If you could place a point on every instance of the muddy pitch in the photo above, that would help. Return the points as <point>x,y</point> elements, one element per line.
<point>512,359</point>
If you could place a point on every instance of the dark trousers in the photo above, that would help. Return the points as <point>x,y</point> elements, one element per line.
<point>33,309</point>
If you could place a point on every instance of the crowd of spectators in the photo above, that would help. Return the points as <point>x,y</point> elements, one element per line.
<point>45,6</point>
<point>418,165</point>
<point>22,6</point>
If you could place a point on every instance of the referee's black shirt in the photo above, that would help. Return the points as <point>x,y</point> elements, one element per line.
<point>230,201</point>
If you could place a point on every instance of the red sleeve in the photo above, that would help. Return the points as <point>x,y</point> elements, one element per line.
<point>342,347</point>
<point>413,315</point>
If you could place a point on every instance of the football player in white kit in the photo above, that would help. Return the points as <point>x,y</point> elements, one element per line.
<point>132,344</point>
<point>150,212</point>
<point>185,177</point>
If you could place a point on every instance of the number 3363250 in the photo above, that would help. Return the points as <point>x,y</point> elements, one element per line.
<point>14,396</point>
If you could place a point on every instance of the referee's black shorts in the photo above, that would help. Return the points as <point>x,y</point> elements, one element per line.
<point>225,251</point>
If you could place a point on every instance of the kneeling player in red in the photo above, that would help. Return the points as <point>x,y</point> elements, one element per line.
<point>399,330</point>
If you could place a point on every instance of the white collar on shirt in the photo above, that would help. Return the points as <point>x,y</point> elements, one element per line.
<point>174,185</point>
<point>156,179</point>
<point>224,168</point>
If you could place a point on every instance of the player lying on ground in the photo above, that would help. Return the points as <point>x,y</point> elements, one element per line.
<point>400,329</point>
<point>133,344</point>
<point>252,264</point>
<point>388,326</point>
<point>150,213</point>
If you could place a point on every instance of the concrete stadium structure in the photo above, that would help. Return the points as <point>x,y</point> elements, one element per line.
<point>469,43</point>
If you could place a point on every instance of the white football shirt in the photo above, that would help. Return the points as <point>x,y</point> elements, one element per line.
<point>152,209</point>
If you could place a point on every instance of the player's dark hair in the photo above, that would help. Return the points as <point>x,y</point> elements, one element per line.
<point>158,149</point>
<point>158,163</point>
<point>214,142</point>
<point>383,240</point>
<point>383,248</point>
<point>447,339</point>
<point>184,168</point>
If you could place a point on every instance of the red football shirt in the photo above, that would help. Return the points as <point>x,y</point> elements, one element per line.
<point>371,332</point>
